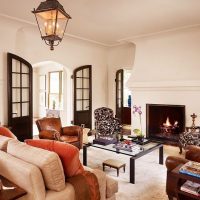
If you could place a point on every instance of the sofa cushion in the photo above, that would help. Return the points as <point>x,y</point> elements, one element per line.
<point>23,174</point>
<point>6,132</point>
<point>48,162</point>
<point>4,142</point>
<point>68,154</point>
<point>67,194</point>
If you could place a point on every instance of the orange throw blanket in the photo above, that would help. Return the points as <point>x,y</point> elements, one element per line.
<point>86,186</point>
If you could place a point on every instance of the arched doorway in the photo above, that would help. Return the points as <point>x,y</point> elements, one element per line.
<point>52,90</point>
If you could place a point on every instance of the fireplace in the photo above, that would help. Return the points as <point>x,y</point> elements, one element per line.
<point>165,122</point>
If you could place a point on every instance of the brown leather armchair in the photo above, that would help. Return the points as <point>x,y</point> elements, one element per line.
<point>193,154</point>
<point>51,128</point>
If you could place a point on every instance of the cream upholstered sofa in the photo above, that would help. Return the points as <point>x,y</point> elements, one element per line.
<point>40,173</point>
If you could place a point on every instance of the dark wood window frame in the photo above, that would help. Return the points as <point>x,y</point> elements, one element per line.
<point>20,123</point>
<point>80,112</point>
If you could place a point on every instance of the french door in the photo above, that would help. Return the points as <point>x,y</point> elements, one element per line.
<point>20,117</point>
<point>83,96</point>
<point>119,93</point>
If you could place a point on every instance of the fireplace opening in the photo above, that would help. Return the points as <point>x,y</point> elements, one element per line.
<point>165,122</point>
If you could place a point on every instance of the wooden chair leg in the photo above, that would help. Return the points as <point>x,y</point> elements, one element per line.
<point>170,197</point>
<point>117,172</point>
<point>103,167</point>
<point>124,168</point>
<point>181,149</point>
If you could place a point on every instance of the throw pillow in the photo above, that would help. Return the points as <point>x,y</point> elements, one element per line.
<point>6,132</point>
<point>68,154</point>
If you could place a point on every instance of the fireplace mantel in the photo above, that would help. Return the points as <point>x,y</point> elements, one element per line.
<point>165,92</point>
<point>164,85</point>
<point>166,71</point>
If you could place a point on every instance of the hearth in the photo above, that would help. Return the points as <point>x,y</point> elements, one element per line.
<point>165,122</point>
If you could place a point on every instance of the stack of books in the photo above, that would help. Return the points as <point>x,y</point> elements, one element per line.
<point>104,141</point>
<point>191,168</point>
<point>191,187</point>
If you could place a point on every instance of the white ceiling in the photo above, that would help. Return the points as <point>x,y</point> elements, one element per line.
<point>110,21</point>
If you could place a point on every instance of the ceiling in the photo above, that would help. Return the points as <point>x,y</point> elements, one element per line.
<point>110,21</point>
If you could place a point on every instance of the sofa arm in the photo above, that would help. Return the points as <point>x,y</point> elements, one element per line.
<point>101,177</point>
<point>172,162</point>
<point>193,153</point>
<point>107,186</point>
<point>72,130</point>
<point>111,187</point>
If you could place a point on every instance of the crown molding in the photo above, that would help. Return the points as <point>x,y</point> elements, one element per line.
<point>17,19</point>
<point>87,40</point>
<point>140,36</point>
<point>69,35</point>
<point>118,42</point>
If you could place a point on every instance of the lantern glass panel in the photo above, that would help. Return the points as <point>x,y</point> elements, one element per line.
<point>48,24</point>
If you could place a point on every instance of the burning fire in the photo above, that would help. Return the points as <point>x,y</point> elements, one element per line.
<point>167,128</point>
<point>168,124</point>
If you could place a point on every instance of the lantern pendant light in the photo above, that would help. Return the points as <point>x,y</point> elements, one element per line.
<point>52,21</point>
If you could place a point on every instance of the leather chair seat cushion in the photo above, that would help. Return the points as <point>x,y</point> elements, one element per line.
<point>68,154</point>
<point>69,139</point>
<point>47,134</point>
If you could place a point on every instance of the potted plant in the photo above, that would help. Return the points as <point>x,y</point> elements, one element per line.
<point>138,131</point>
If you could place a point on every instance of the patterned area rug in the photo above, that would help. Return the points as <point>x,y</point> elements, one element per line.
<point>150,176</point>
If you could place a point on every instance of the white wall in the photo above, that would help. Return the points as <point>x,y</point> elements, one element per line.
<point>24,40</point>
<point>119,57</point>
<point>7,44</point>
<point>168,57</point>
<point>36,98</point>
<point>166,71</point>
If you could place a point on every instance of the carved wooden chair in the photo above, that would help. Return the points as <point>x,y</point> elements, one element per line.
<point>105,123</point>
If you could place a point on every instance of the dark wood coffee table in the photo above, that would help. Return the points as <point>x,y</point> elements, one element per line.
<point>10,191</point>
<point>146,148</point>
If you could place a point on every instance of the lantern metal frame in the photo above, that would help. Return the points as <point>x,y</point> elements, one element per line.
<point>46,6</point>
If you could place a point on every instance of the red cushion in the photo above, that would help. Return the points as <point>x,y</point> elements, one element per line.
<point>6,132</point>
<point>68,154</point>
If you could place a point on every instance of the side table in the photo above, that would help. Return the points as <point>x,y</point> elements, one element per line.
<point>181,195</point>
<point>14,192</point>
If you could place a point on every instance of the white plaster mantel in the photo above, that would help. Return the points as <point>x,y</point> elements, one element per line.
<point>164,85</point>
<point>166,71</point>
